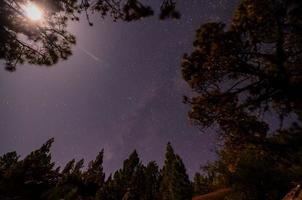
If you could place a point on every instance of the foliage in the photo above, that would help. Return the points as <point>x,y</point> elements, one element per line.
<point>94,177</point>
<point>27,178</point>
<point>267,170</point>
<point>175,184</point>
<point>247,69</point>
<point>201,184</point>
<point>35,177</point>
<point>241,74</point>
<point>38,43</point>
<point>46,41</point>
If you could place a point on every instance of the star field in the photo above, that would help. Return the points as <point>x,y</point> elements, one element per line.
<point>121,90</point>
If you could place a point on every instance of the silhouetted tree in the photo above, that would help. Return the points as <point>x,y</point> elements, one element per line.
<point>35,177</point>
<point>94,176</point>
<point>152,180</point>
<point>175,183</point>
<point>239,73</point>
<point>266,170</point>
<point>46,41</point>
<point>168,10</point>
<point>70,183</point>
<point>8,162</point>
<point>28,178</point>
<point>247,69</point>
<point>201,184</point>
<point>132,175</point>
<point>109,191</point>
<point>127,183</point>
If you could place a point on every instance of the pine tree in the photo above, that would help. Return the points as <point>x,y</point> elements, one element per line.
<point>70,184</point>
<point>201,184</point>
<point>109,191</point>
<point>28,178</point>
<point>133,177</point>
<point>175,183</point>
<point>25,41</point>
<point>34,177</point>
<point>94,177</point>
<point>8,163</point>
<point>127,183</point>
<point>247,69</point>
<point>152,178</point>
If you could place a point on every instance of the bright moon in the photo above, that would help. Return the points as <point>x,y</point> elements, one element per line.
<point>33,12</point>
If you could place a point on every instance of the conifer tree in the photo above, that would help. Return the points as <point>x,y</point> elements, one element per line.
<point>239,73</point>
<point>201,184</point>
<point>175,183</point>
<point>244,70</point>
<point>133,177</point>
<point>8,163</point>
<point>94,177</point>
<point>47,42</point>
<point>28,178</point>
<point>70,184</point>
<point>34,177</point>
<point>152,178</point>
<point>109,191</point>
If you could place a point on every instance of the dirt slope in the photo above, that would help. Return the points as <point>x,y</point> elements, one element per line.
<point>217,195</point>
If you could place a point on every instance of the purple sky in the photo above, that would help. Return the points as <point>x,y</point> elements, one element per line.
<point>121,90</point>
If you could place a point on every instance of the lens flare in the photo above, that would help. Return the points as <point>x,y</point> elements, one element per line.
<point>33,12</point>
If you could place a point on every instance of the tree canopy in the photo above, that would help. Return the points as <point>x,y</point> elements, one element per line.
<point>241,74</point>
<point>241,71</point>
<point>46,41</point>
<point>175,184</point>
<point>35,177</point>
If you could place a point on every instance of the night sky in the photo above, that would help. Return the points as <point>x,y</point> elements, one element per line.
<point>121,90</point>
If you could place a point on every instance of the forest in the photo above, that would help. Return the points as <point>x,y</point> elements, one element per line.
<point>37,177</point>
<point>245,80</point>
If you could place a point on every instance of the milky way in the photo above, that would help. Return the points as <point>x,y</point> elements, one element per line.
<point>121,90</point>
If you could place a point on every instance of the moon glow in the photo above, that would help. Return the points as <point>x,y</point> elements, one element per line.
<point>33,12</point>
